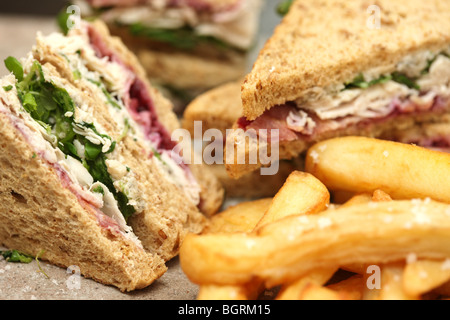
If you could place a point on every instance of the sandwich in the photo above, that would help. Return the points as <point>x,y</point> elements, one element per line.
<point>186,46</point>
<point>430,135</point>
<point>87,176</point>
<point>369,71</point>
<point>218,109</point>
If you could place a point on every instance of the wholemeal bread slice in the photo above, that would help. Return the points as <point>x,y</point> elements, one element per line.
<point>41,213</point>
<point>370,70</point>
<point>319,45</point>
<point>168,213</point>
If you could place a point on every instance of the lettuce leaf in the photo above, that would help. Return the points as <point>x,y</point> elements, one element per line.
<point>53,108</point>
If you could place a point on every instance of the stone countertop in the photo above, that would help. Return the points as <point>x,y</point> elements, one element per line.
<point>26,281</point>
<point>43,281</point>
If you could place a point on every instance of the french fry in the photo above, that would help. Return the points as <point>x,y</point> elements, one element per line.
<point>422,276</point>
<point>250,291</point>
<point>391,283</point>
<point>242,217</point>
<point>380,195</point>
<point>358,199</point>
<point>352,287</point>
<point>314,291</point>
<point>294,290</point>
<point>301,194</point>
<point>359,164</point>
<point>292,247</point>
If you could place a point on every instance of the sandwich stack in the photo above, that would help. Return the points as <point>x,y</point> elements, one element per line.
<point>87,172</point>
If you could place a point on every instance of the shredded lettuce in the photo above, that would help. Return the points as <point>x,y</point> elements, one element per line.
<point>53,108</point>
<point>182,38</point>
<point>283,7</point>
<point>14,66</point>
<point>16,256</point>
<point>360,82</point>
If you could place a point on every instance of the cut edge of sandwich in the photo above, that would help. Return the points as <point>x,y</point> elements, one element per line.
<point>50,203</point>
<point>81,71</point>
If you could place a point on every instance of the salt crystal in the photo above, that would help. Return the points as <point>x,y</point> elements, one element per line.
<point>322,147</point>
<point>324,222</point>
<point>315,156</point>
<point>446,264</point>
<point>303,219</point>
<point>411,258</point>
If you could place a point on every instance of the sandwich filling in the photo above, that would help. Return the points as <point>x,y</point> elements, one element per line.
<point>183,24</point>
<point>420,85</point>
<point>52,120</point>
<point>127,99</point>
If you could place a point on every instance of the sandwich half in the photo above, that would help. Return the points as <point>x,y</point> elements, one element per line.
<point>57,201</point>
<point>370,70</point>
<point>92,125</point>
<point>186,46</point>
<point>218,109</point>
<point>178,196</point>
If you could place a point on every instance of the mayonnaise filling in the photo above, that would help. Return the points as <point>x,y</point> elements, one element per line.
<point>376,101</point>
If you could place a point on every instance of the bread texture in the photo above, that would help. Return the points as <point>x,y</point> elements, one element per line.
<point>39,216</point>
<point>322,44</point>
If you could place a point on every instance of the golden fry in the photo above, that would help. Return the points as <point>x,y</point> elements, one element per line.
<point>294,290</point>
<point>422,276</point>
<point>359,164</point>
<point>314,291</point>
<point>391,283</point>
<point>249,291</point>
<point>301,194</point>
<point>352,287</point>
<point>292,247</point>
<point>242,217</point>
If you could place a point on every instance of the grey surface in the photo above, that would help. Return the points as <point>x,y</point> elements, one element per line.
<point>26,281</point>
